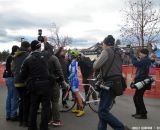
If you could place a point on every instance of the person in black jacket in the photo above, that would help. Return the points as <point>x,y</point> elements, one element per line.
<point>60,54</point>
<point>19,57</point>
<point>12,96</point>
<point>35,72</point>
<point>142,64</point>
<point>56,72</point>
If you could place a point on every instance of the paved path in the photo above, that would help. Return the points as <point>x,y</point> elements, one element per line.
<point>122,109</point>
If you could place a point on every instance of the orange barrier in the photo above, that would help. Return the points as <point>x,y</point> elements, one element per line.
<point>157,82</point>
<point>2,67</point>
<point>129,74</point>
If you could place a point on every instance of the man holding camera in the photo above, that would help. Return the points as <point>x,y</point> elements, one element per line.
<point>142,64</point>
<point>109,63</point>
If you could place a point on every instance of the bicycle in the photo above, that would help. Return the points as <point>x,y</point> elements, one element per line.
<point>92,98</point>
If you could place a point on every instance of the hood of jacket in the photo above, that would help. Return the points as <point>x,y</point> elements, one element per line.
<point>19,53</point>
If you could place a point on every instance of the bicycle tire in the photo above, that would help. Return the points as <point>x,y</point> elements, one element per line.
<point>70,103</point>
<point>94,101</point>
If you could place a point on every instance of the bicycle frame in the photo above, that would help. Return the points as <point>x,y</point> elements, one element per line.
<point>91,98</point>
<point>91,90</point>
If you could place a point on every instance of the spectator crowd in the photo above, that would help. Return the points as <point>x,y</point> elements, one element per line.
<point>37,75</point>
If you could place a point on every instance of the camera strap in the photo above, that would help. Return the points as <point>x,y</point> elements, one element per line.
<point>110,65</point>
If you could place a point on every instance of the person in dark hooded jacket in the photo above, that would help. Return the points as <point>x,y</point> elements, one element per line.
<point>34,71</point>
<point>20,56</point>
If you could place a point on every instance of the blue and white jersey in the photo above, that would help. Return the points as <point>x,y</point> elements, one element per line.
<point>73,69</point>
<point>73,77</point>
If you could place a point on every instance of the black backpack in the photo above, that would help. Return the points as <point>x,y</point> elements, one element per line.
<point>39,61</point>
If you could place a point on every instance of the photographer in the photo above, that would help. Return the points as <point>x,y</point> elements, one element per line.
<point>57,75</point>
<point>142,64</point>
<point>109,63</point>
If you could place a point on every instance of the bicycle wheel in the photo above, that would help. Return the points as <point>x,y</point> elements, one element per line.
<point>94,100</point>
<point>69,101</point>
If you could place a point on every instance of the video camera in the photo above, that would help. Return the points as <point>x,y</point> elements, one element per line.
<point>141,84</point>
<point>99,84</point>
<point>40,37</point>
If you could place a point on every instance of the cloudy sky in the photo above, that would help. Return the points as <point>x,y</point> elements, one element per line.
<point>86,21</point>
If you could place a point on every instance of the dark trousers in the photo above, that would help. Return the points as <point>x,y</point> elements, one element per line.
<point>64,90</point>
<point>105,117</point>
<point>43,97</point>
<point>139,102</point>
<point>55,112</point>
<point>24,104</point>
<point>63,94</point>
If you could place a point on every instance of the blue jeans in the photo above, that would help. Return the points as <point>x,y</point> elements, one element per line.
<point>105,117</point>
<point>12,99</point>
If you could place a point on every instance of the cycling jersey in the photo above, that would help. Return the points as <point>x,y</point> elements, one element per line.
<point>73,77</point>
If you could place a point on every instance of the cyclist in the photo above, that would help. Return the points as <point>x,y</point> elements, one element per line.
<point>74,82</point>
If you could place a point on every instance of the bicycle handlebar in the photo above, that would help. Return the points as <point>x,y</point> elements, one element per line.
<point>84,84</point>
<point>92,79</point>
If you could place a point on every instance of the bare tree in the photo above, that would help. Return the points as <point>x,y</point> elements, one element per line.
<point>57,39</point>
<point>66,40</point>
<point>141,23</point>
